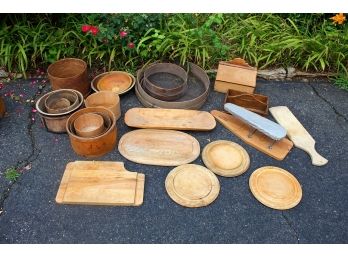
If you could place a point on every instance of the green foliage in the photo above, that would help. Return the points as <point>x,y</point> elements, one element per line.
<point>306,41</point>
<point>12,174</point>
<point>341,81</point>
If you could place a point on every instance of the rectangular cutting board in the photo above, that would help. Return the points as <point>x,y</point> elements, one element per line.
<point>176,119</point>
<point>260,141</point>
<point>93,183</point>
<point>297,133</point>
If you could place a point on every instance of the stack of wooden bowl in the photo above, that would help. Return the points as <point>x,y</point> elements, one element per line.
<point>56,107</point>
<point>92,131</point>
<point>174,88</point>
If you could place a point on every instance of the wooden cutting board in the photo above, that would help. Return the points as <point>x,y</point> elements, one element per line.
<point>159,147</point>
<point>297,133</point>
<point>109,184</point>
<point>275,188</point>
<point>192,185</point>
<point>176,119</point>
<point>260,141</point>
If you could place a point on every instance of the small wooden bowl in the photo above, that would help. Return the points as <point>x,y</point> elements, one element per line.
<point>106,99</point>
<point>116,82</point>
<point>61,101</point>
<point>89,125</point>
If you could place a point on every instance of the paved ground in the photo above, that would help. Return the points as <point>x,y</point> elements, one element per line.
<point>30,214</point>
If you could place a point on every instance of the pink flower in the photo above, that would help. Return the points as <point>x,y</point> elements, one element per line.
<point>85,28</point>
<point>131,45</point>
<point>34,110</point>
<point>123,33</point>
<point>94,30</point>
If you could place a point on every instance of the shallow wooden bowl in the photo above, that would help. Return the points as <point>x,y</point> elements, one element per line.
<point>116,82</point>
<point>89,125</point>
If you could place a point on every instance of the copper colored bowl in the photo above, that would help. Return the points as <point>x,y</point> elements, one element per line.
<point>94,146</point>
<point>98,78</point>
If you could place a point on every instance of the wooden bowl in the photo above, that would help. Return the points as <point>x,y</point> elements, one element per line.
<point>116,82</point>
<point>61,101</point>
<point>89,125</point>
<point>106,99</point>
<point>96,146</point>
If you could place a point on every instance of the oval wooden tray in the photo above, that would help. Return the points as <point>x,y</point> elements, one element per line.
<point>225,158</point>
<point>275,188</point>
<point>159,147</point>
<point>169,119</point>
<point>192,185</point>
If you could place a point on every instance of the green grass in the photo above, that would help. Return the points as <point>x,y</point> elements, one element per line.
<point>341,81</point>
<point>12,174</point>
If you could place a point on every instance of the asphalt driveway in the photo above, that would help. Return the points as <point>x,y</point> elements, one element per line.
<point>29,213</point>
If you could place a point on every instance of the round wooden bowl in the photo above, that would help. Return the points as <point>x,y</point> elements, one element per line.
<point>96,80</point>
<point>94,146</point>
<point>89,125</point>
<point>56,122</point>
<point>116,82</point>
<point>69,73</point>
<point>61,101</point>
<point>106,99</point>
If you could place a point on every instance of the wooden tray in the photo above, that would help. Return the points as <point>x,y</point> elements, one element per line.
<point>100,183</point>
<point>276,149</point>
<point>225,158</point>
<point>192,185</point>
<point>275,188</point>
<point>297,133</point>
<point>169,119</point>
<point>159,147</point>
<point>253,102</point>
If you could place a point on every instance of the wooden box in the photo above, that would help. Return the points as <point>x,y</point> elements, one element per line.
<point>236,75</point>
<point>253,102</point>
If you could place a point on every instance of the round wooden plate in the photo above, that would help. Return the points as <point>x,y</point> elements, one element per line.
<point>192,185</point>
<point>275,188</point>
<point>226,158</point>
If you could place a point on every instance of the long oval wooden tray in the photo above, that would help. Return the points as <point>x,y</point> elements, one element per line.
<point>159,147</point>
<point>169,119</point>
<point>276,188</point>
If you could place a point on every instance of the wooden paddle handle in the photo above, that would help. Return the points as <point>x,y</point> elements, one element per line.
<point>317,159</point>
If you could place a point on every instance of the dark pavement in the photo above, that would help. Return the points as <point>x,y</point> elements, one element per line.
<point>30,214</point>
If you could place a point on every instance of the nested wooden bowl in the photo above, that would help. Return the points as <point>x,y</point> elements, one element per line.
<point>93,146</point>
<point>106,99</point>
<point>61,101</point>
<point>89,125</point>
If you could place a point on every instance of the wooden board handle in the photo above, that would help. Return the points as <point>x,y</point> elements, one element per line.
<point>317,159</point>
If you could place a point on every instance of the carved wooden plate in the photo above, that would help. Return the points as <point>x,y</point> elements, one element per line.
<point>275,188</point>
<point>226,158</point>
<point>192,185</point>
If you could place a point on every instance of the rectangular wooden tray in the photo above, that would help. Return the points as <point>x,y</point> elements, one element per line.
<point>253,102</point>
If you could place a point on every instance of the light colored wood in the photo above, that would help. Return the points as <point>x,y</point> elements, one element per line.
<point>177,119</point>
<point>159,147</point>
<point>100,183</point>
<point>275,188</point>
<point>260,141</point>
<point>223,87</point>
<point>106,99</point>
<point>89,125</point>
<point>297,133</point>
<point>225,158</point>
<point>192,185</point>
<point>116,82</point>
<point>236,74</point>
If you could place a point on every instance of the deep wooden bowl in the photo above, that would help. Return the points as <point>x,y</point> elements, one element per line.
<point>89,125</point>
